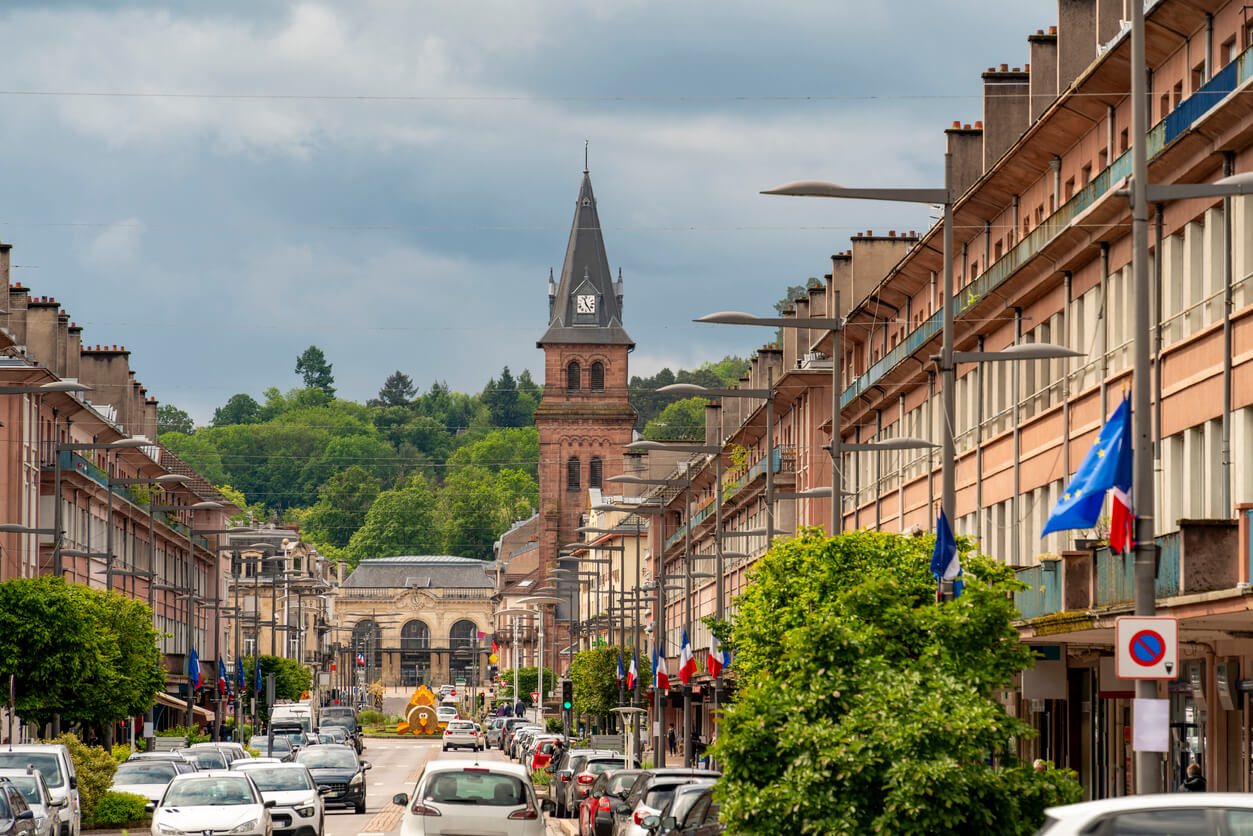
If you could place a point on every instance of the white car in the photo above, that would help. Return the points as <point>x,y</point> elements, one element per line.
<point>219,801</point>
<point>30,783</point>
<point>54,761</point>
<point>446,712</point>
<point>463,733</point>
<point>1181,813</point>
<point>457,796</point>
<point>298,809</point>
<point>148,778</point>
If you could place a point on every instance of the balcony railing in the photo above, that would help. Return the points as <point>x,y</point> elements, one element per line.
<point>1202,556</point>
<point>1159,136</point>
<point>784,460</point>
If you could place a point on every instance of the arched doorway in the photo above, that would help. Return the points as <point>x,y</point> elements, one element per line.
<point>367,650</point>
<point>462,640</point>
<point>415,656</point>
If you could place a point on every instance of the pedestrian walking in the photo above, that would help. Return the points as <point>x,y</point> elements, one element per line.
<point>672,740</point>
<point>1195,782</point>
<point>519,709</point>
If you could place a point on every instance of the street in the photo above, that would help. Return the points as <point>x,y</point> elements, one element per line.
<point>396,765</point>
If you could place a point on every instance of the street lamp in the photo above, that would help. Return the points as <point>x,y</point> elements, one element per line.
<point>57,513</point>
<point>540,601</point>
<point>514,614</point>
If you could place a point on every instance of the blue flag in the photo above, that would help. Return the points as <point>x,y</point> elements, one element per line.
<point>193,670</point>
<point>945,564</point>
<point>224,681</point>
<point>258,674</point>
<point>621,672</point>
<point>239,673</point>
<point>1108,463</point>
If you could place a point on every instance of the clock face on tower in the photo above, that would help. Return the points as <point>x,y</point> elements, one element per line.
<point>585,304</point>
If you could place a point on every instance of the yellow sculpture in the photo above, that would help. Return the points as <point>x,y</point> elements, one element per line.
<point>420,714</point>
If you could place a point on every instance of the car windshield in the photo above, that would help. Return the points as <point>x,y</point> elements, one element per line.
<point>260,742</point>
<point>622,781</point>
<point>208,760</point>
<point>337,717</point>
<point>329,757</point>
<point>659,797</point>
<point>28,787</point>
<point>48,764</point>
<point>462,725</point>
<point>480,788</point>
<point>4,807</point>
<point>597,767</point>
<point>209,792</point>
<point>138,772</point>
<point>280,780</point>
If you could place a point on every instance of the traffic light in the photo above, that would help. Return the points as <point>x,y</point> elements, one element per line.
<point>567,694</point>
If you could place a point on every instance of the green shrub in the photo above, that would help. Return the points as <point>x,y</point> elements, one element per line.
<point>95,767</point>
<point>121,751</point>
<point>118,808</point>
<point>554,724</point>
<point>371,718</point>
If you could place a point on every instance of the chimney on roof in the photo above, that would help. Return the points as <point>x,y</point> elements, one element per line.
<point>1109,17</point>
<point>1043,81</point>
<point>1076,39</point>
<point>965,144</point>
<point>1006,114</point>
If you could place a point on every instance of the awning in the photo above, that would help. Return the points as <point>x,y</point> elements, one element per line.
<point>174,702</point>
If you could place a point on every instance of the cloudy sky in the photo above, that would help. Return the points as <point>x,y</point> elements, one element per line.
<point>217,186</point>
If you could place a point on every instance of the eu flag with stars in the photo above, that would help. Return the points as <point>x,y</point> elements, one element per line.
<point>1108,463</point>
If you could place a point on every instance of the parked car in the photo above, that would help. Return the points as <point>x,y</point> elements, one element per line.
<point>16,817</point>
<point>671,818</point>
<point>463,733</point>
<point>506,730</point>
<point>595,811</point>
<point>472,797</point>
<point>206,758</point>
<point>445,713</point>
<point>544,749</point>
<point>148,778</point>
<point>575,773</point>
<point>337,768</point>
<point>516,737</point>
<point>232,751</point>
<point>650,792</point>
<point>282,746</point>
<point>344,717</point>
<point>1183,814</point>
<point>701,819</point>
<point>30,783</point>
<point>218,802</point>
<point>493,730</point>
<point>298,808</point>
<point>54,761</point>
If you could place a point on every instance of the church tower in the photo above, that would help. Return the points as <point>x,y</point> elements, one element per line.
<point>584,418</point>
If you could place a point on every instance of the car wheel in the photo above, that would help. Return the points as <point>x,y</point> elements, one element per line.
<point>445,747</point>
<point>360,806</point>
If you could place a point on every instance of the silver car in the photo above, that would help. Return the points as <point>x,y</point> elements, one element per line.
<point>218,801</point>
<point>30,783</point>
<point>298,809</point>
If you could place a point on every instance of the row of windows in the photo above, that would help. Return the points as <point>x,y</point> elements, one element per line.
<point>596,376</point>
<point>574,469</point>
<point>416,635</point>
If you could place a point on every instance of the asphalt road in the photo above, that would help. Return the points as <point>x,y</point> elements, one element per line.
<point>396,764</point>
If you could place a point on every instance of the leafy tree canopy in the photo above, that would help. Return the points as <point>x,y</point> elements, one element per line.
<point>199,452</point>
<point>400,521</point>
<point>240,409</point>
<point>528,680</point>
<point>875,703</point>
<point>515,449</point>
<point>172,419</point>
<point>398,390</point>
<point>476,505</point>
<point>680,421</point>
<point>315,371</point>
<point>341,507</point>
<point>649,405</point>
<point>594,673</point>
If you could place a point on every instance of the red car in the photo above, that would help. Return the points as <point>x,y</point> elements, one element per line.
<point>595,817</point>
<point>544,753</point>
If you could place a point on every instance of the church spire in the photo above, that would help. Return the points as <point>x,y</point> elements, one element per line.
<point>587,306</point>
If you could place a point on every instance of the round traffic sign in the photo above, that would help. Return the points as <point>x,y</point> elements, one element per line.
<point>1147,648</point>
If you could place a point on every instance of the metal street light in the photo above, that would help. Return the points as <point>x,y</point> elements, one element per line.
<point>540,601</point>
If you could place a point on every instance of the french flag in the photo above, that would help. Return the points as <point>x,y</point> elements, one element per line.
<point>717,658</point>
<point>1121,535</point>
<point>687,663</point>
<point>360,658</point>
<point>661,679</point>
<point>620,673</point>
<point>633,672</point>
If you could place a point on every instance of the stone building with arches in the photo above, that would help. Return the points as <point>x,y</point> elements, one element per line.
<point>415,619</point>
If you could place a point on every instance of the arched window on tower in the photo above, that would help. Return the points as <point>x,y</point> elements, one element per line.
<point>572,473</point>
<point>594,469</point>
<point>573,375</point>
<point>597,382</point>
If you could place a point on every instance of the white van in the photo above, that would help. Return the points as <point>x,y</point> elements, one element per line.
<point>296,712</point>
<point>55,764</point>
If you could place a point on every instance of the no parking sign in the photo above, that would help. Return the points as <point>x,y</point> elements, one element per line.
<point>1148,647</point>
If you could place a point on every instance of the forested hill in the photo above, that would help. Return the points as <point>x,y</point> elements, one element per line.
<point>407,472</point>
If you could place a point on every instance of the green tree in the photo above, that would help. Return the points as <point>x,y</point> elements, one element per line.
<point>342,505</point>
<point>200,452</point>
<point>249,512</point>
<point>594,673</point>
<point>240,409</point>
<point>400,521</point>
<point>291,679</point>
<point>874,702</point>
<point>516,449</point>
<point>528,679</point>
<point>398,390</point>
<point>729,369</point>
<point>477,505</point>
<point>680,421</point>
<point>315,371</point>
<point>504,406</point>
<point>85,654</point>
<point>172,419</point>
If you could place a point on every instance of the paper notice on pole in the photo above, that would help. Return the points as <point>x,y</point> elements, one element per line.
<point>1151,724</point>
<point>656,728</point>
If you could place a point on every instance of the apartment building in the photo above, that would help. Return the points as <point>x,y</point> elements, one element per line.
<point>1042,255</point>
